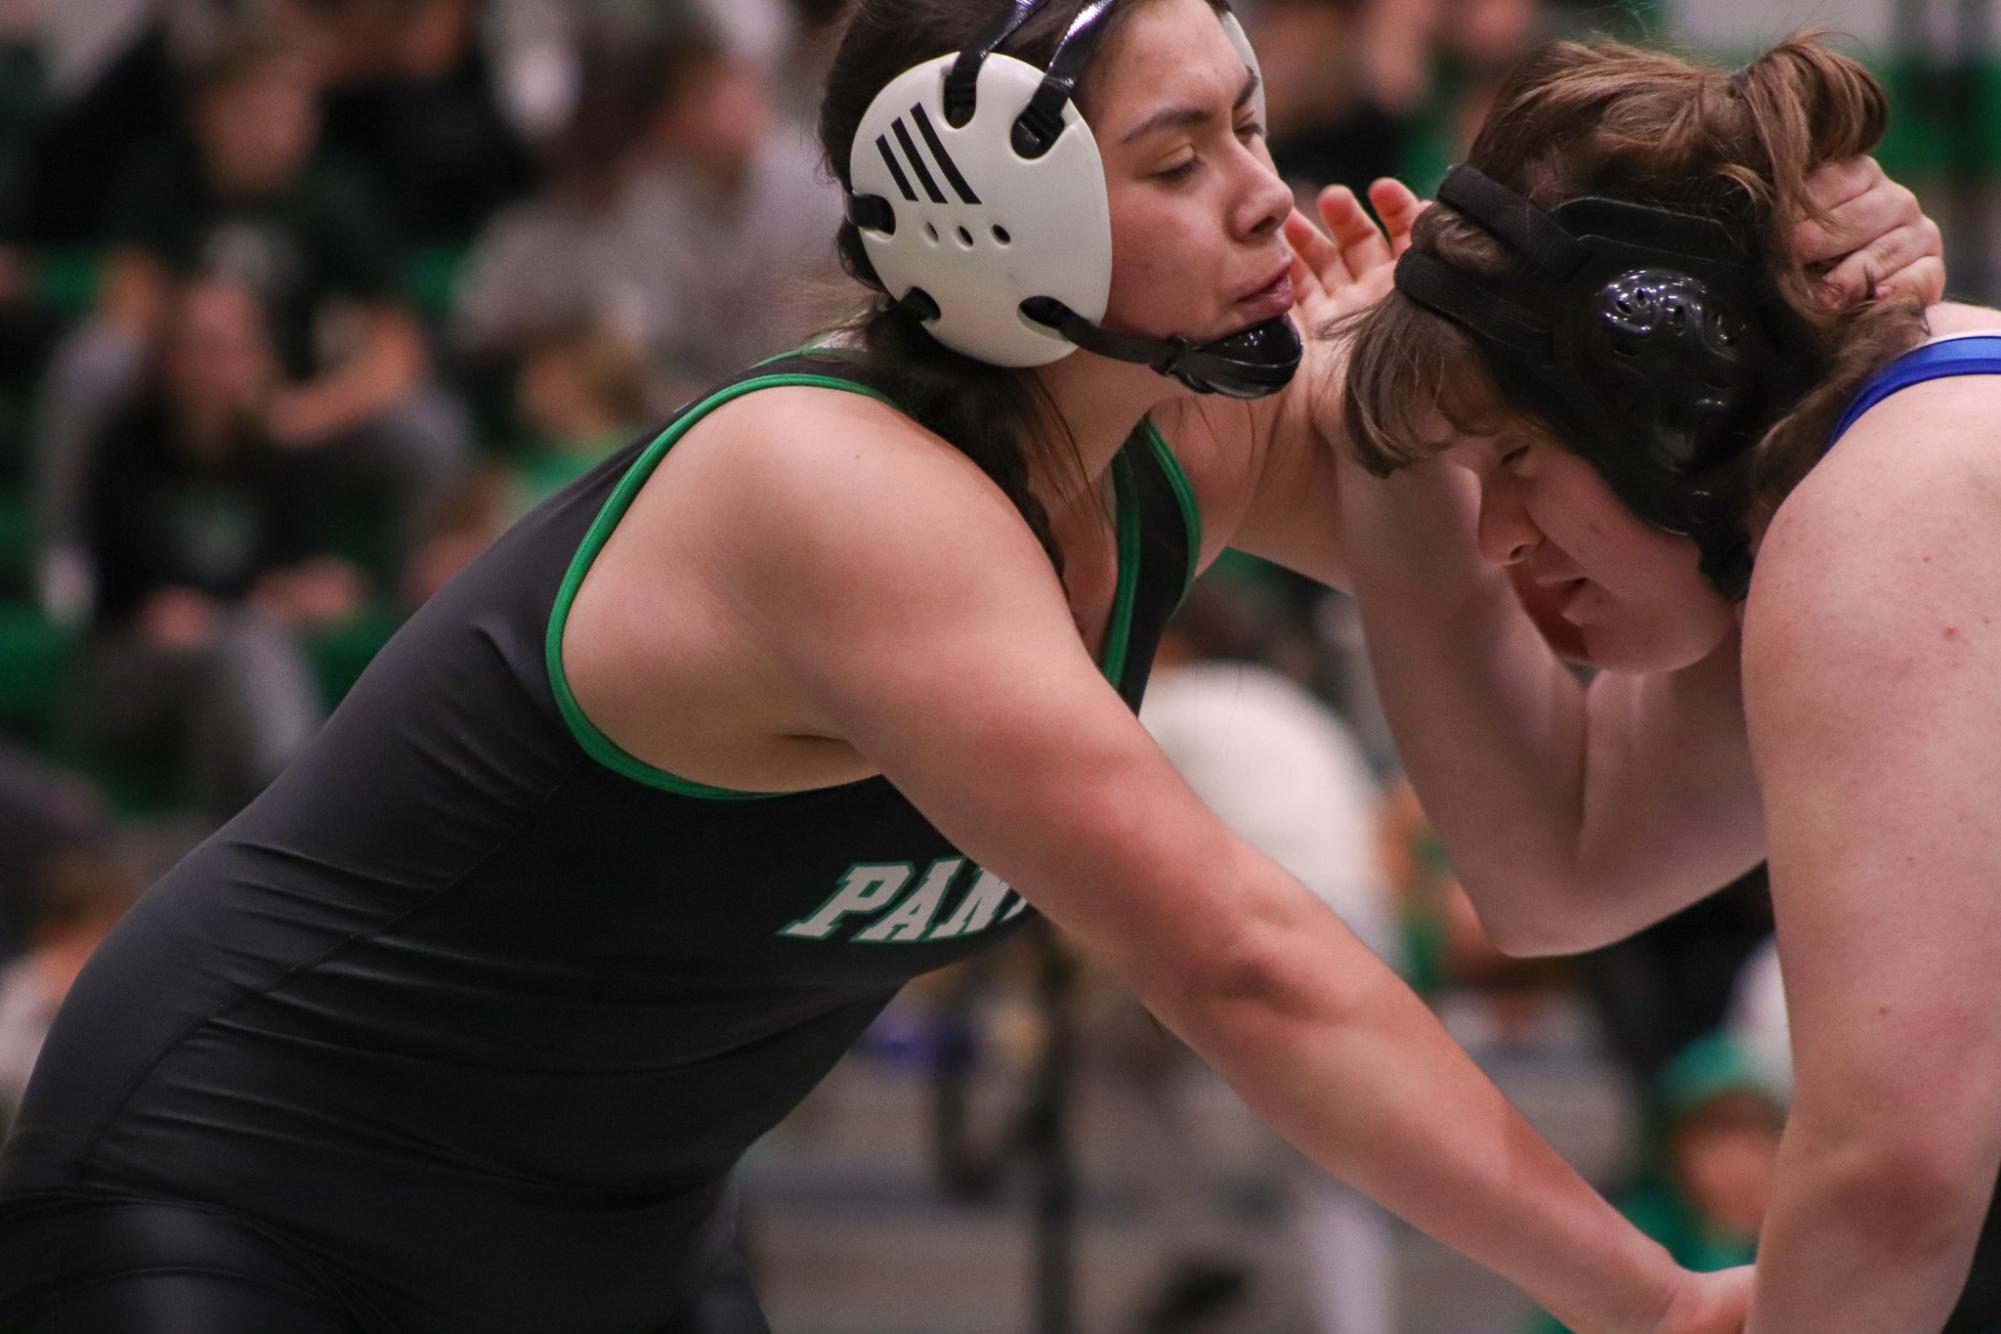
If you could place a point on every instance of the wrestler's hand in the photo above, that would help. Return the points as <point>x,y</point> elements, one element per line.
<point>1871,233</point>
<point>1339,272</point>
<point>1347,267</point>
<point>1717,1303</point>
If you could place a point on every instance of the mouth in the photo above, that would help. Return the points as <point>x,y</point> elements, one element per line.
<point>1565,592</point>
<point>1272,297</point>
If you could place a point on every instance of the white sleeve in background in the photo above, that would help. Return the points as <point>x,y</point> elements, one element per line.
<point>756,31</point>
<point>1283,771</point>
<point>1756,1019</point>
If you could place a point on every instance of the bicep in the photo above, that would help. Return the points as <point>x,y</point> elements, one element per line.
<point>1874,689</point>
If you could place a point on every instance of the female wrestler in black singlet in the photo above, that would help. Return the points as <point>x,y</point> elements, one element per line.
<point>461,1026</point>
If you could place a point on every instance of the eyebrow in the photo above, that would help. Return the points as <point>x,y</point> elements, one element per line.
<point>1180,117</point>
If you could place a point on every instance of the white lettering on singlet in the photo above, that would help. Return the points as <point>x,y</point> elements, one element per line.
<point>912,917</point>
<point>867,887</point>
<point>976,911</point>
<point>901,913</point>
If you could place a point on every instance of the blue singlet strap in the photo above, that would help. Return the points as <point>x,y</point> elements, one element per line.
<point>1971,354</point>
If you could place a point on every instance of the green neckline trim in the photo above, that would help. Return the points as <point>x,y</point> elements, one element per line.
<point>1184,492</point>
<point>620,761</point>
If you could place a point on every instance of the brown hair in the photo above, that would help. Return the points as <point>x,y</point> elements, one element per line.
<point>993,415</point>
<point>1602,118</point>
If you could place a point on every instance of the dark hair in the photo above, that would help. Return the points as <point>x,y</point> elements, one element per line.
<point>1575,119</point>
<point>989,413</point>
<point>241,52</point>
<point>619,91</point>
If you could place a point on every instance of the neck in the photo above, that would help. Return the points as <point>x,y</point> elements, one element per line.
<point>1100,401</point>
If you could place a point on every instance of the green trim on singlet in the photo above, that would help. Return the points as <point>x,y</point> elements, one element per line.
<point>620,761</point>
<point>1118,634</point>
<point>1184,492</point>
<point>595,743</point>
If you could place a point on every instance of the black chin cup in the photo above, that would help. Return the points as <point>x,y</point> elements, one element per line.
<point>1251,363</point>
<point>1648,339</point>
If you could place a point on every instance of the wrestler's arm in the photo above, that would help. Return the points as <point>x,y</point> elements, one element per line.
<point>1575,814</point>
<point>1267,473</point>
<point>1873,682</point>
<point>935,639</point>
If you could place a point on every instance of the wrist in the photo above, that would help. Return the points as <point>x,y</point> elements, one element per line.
<point>1646,1290</point>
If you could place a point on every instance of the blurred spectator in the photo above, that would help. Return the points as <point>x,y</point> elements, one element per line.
<point>1705,1188</point>
<point>1756,1018</point>
<point>43,812</point>
<point>1484,996</point>
<point>78,77</point>
<point>1326,118</point>
<point>247,198</point>
<point>749,216</point>
<point>204,533</point>
<point>581,391</point>
<point>816,33</point>
<point>1365,88</point>
<point>1415,44</point>
<point>679,208</point>
<point>410,96</point>
<point>756,33</point>
<point>79,897</point>
<point>1280,769</point>
<point>592,247</point>
<point>1659,990</point>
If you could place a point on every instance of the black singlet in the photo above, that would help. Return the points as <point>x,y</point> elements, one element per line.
<point>470,1014</point>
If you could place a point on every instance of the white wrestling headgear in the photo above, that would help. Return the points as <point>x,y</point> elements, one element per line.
<point>980,196</point>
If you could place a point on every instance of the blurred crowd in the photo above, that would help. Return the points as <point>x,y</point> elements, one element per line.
<point>302,302</point>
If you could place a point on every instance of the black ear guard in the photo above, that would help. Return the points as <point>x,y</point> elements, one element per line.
<point>1649,339</point>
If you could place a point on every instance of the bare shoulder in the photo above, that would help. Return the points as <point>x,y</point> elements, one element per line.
<point>793,536</point>
<point>821,522</point>
<point>822,483</point>
<point>1890,544</point>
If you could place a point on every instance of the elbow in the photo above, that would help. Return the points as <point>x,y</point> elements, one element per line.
<point>1924,1189</point>
<point>1530,939</point>
<point>1528,917</point>
<point>1297,965</point>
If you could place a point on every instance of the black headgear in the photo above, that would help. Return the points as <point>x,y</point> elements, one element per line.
<point>1648,338</point>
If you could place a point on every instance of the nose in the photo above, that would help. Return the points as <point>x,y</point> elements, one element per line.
<point>1266,200</point>
<point>1507,535</point>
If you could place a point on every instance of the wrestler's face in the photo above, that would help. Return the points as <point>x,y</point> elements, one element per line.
<point>1198,212</point>
<point>1634,596</point>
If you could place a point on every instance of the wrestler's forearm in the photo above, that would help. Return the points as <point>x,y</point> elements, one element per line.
<point>1325,1043</point>
<point>1574,816</point>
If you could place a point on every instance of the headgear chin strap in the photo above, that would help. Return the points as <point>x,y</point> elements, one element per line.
<point>980,195</point>
<point>1648,338</point>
